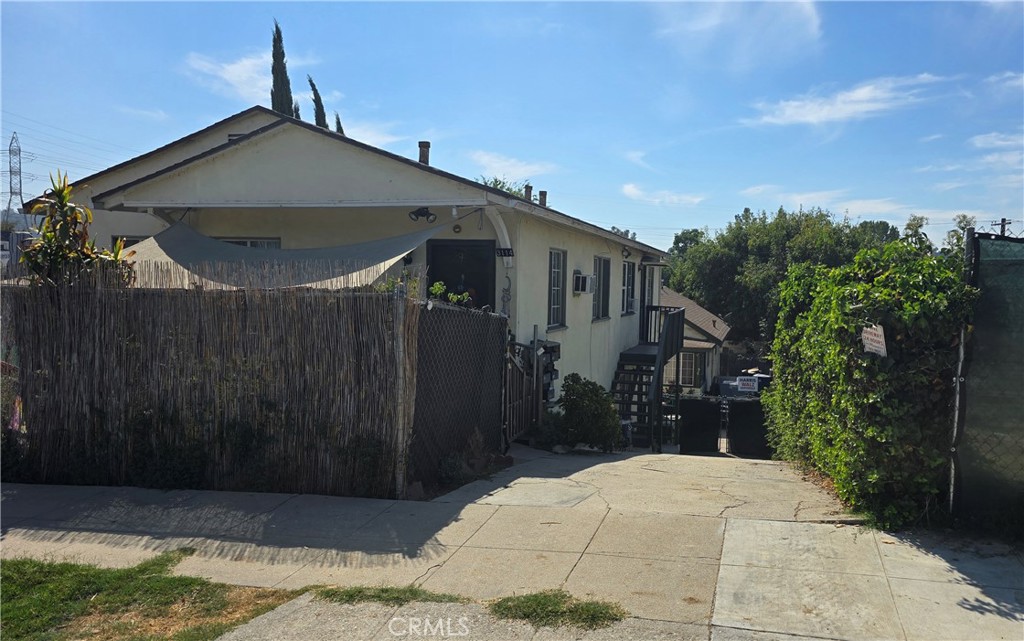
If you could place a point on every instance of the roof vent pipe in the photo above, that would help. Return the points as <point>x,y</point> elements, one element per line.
<point>528,191</point>
<point>543,198</point>
<point>425,152</point>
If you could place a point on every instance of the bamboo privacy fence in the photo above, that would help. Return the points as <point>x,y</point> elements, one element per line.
<point>288,390</point>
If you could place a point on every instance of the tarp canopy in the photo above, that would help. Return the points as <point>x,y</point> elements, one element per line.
<point>180,256</point>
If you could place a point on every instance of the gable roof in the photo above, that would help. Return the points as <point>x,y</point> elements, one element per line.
<point>699,317</point>
<point>513,201</point>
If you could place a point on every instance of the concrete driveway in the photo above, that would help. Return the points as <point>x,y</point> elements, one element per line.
<point>693,547</point>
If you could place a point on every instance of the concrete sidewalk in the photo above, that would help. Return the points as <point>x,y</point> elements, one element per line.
<point>692,547</point>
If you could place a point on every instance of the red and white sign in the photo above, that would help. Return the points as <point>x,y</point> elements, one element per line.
<point>873,337</point>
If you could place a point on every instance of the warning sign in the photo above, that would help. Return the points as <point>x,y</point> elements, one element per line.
<point>874,339</point>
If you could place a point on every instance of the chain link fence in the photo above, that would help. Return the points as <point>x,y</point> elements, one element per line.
<point>988,462</point>
<point>459,378</point>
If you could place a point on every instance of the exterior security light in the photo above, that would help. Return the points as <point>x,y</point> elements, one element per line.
<point>422,212</point>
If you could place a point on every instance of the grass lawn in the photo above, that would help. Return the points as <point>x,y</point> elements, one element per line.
<point>42,600</point>
<point>48,601</point>
<point>553,608</point>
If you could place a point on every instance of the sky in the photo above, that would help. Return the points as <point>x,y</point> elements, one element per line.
<point>653,117</point>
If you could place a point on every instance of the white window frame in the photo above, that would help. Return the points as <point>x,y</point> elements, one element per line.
<point>628,287</point>
<point>602,287</point>
<point>687,369</point>
<point>128,240</point>
<point>557,259</point>
<point>253,241</point>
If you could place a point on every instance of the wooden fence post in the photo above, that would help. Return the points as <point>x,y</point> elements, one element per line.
<point>401,409</point>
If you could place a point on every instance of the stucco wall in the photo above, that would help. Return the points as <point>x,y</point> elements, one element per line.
<point>588,347</point>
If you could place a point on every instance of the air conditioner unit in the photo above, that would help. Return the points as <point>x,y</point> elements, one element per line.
<point>582,283</point>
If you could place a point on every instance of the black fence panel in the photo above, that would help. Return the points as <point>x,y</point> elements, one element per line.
<point>459,378</point>
<point>989,453</point>
<point>748,434</point>
<point>699,423</point>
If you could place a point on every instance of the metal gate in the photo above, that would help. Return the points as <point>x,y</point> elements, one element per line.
<point>520,409</point>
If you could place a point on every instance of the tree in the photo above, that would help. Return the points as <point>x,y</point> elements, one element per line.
<point>337,124</point>
<point>736,273</point>
<point>295,111</point>
<point>954,243</point>
<point>319,115</point>
<point>63,254</point>
<point>281,99</point>
<point>625,233</point>
<point>913,231</point>
<point>514,187</point>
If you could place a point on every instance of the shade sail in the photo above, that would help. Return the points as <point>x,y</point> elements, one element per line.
<point>180,256</point>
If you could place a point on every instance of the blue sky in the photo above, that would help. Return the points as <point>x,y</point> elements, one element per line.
<point>652,117</point>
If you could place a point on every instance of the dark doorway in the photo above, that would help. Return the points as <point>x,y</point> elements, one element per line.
<point>463,266</point>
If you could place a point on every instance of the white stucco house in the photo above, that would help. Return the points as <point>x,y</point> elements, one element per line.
<point>261,182</point>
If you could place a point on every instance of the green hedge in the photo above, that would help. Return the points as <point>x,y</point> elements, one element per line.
<point>880,427</point>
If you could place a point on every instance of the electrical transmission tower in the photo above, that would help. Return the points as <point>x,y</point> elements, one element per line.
<point>14,165</point>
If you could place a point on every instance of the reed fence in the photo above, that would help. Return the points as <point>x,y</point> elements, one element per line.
<point>288,390</point>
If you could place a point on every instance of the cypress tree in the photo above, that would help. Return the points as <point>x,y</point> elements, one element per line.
<point>295,110</point>
<point>281,90</point>
<point>337,124</point>
<point>319,115</point>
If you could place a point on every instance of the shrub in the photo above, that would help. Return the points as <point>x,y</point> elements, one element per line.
<point>63,253</point>
<point>878,426</point>
<point>588,414</point>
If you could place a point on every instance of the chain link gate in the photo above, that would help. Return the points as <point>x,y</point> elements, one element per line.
<point>987,479</point>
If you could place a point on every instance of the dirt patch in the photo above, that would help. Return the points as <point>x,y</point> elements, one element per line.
<point>242,604</point>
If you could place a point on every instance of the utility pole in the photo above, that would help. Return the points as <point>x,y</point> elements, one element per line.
<point>1003,222</point>
<point>14,165</point>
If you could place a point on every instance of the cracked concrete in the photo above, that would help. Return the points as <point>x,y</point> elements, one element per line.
<point>693,547</point>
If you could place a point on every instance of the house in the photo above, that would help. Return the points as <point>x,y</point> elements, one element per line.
<point>262,185</point>
<point>704,334</point>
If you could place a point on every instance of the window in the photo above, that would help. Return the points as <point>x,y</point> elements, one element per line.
<point>688,369</point>
<point>128,240</point>
<point>602,278</point>
<point>628,287</point>
<point>261,243</point>
<point>556,288</point>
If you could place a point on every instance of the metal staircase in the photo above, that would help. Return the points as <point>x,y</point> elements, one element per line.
<point>637,385</point>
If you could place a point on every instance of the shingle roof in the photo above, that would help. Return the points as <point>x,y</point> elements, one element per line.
<point>703,319</point>
<point>282,119</point>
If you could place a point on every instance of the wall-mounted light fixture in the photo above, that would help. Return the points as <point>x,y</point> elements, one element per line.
<point>422,212</point>
<point>626,253</point>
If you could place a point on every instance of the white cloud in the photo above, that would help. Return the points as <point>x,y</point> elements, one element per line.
<point>866,100</point>
<point>771,196</point>
<point>661,197</point>
<point>492,164</point>
<point>377,134</point>
<point>734,34</point>
<point>247,77</point>
<point>1007,79</point>
<point>950,185</point>
<point>1003,159</point>
<point>759,189</point>
<point>931,138</point>
<point>158,115</point>
<point>994,139</point>
<point>637,158</point>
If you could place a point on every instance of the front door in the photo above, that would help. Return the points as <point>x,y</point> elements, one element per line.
<point>464,266</point>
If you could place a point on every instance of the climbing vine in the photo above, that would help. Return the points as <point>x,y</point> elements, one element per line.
<point>878,426</point>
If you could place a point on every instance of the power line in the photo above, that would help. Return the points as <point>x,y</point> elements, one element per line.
<point>73,133</point>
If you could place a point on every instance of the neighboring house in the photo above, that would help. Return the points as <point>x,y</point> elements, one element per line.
<point>273,187</point>
<point>703,337</point>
